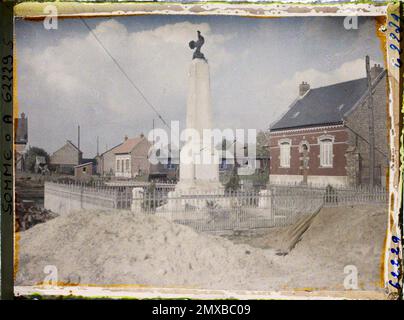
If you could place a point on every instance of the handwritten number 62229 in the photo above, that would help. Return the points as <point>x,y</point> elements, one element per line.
<point>395,263</point>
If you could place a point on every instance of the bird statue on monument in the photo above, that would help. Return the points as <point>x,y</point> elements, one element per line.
<point>198,44</point>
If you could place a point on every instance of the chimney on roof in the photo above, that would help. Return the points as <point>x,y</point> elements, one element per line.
<point>303,88</point>
<point>125,137</point>
<point>375,71</point>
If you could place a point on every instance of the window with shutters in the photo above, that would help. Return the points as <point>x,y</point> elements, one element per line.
<point>326,151</point>
<point>284,157</point>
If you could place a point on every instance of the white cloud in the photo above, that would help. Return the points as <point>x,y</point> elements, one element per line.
<point>65,77</point>
<point>78,70</point>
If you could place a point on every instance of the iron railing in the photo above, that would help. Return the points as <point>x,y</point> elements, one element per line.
<point>220,211</point>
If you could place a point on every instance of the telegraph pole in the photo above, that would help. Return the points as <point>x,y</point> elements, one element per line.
<point>78,137</point>
<point>153,130</point>
<point>78,145</point>
<point>371,127</point>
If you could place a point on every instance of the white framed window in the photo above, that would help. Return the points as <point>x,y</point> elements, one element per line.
<point>284,157</point>
<point>326,151</point>
<point>123,165</point>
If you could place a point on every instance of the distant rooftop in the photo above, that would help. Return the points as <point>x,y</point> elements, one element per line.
<point>73,145</point>
<point>128,145</point>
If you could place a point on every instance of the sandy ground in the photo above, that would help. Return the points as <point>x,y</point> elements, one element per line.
<point>121,248</point>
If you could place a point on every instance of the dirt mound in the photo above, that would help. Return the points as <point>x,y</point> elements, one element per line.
<point>336,237</point>
<point>339,237</point>
<point>122,248</point>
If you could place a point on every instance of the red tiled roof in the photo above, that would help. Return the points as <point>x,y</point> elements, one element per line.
<point>128,145</point>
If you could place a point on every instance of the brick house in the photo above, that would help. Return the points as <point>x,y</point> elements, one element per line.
<point>66,158</point>
<point>131,158</point>
<point>323,138</point>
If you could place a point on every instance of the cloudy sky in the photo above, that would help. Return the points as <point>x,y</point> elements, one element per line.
<point>65,78</point>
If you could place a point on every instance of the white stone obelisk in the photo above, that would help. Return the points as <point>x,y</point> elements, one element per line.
<point>199,162</point>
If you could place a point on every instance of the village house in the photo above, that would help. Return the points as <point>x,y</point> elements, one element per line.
<point>106,164</point>
<point>131,158</point>
<point>323,138</point>
<point>127,160</point>
<point>66,158</point>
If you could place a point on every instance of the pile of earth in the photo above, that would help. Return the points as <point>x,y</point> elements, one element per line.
<point>119,247</point>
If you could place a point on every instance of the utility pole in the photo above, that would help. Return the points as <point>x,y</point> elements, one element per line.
<point>235,183</point>
<point>78,137</point>
<point>80,158</point>
<point>153,130</point>
<point>235,156</point>
<point>98,144</point>
<point>371,127</point>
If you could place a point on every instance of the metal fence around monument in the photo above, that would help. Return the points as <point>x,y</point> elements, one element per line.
<point>244,209</point>
<point>247,209</point>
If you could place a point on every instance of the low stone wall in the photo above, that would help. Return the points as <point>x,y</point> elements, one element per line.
<point>65,198</point>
